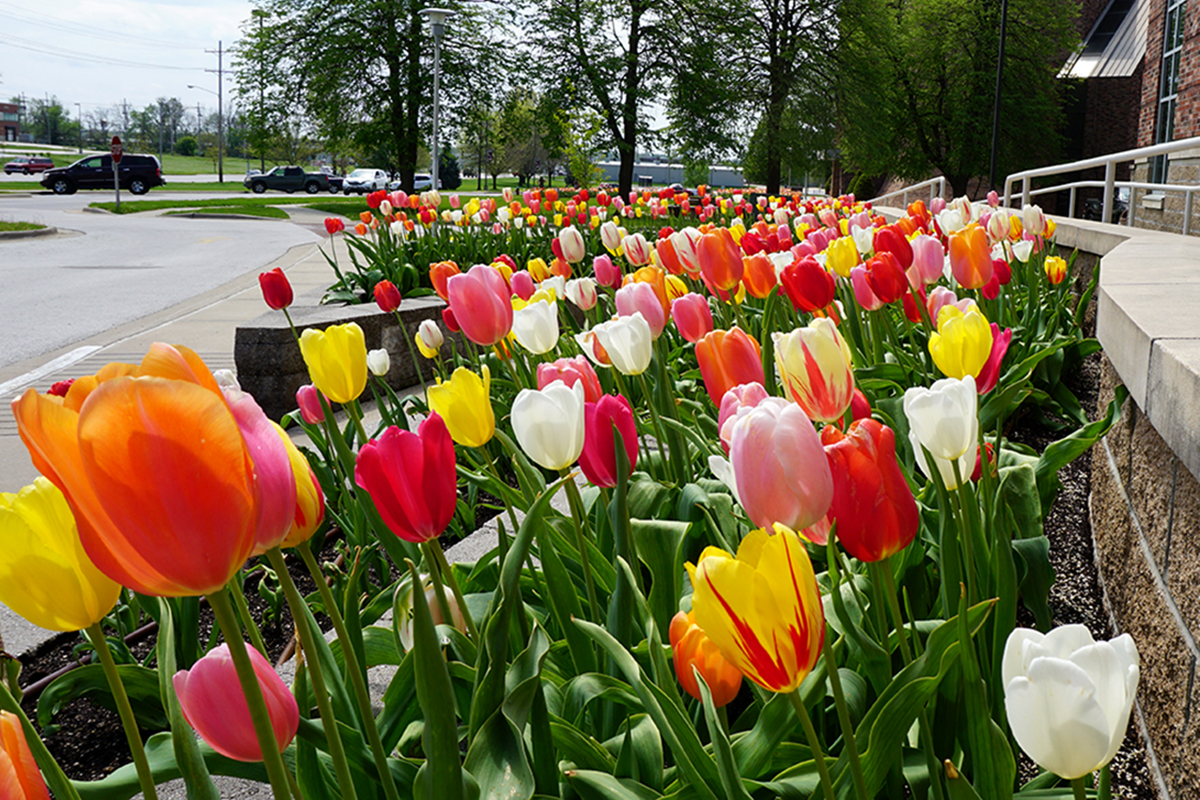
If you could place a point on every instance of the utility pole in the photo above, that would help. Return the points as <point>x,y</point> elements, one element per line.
<point>79,113</point>
<point>220,111</point>
<point>262,103</point>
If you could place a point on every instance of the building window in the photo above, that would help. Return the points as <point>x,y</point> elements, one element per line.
<point>1168,84</point>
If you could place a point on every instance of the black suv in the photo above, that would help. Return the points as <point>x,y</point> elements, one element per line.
<point>138,174</point>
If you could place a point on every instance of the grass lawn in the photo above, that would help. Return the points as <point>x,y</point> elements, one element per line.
<point>245,210</point>
<point>20,226</point>
<point>349,207</point>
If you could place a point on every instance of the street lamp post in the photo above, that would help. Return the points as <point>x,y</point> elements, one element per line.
<point>79,114</point>
<point>437,19</point>
<point>220,132</point>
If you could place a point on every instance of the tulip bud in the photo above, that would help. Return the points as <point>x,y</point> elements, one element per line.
<point>387,296</point>
<point>378,362</point>
<point>693,318</point>
<point>573,247</point>
<point>582,292</point>
<point>1056,269</point>
<point>598,457</point>
<point>211,697</point>
<point>522,284</point>
<point>276,289</point>
<point>607,274</point>
<point>693,650</point>
<point>549,424</point>
<point>19,775</point>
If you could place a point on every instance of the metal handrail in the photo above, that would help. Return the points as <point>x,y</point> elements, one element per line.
<point>1187,191</point>
<point>1109,162</point>
<point>939,182</point>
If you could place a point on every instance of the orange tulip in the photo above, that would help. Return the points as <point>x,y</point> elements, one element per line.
<point>19,776</point>
<point>970,257</point>
<point>692,648</point>
<point>439,273</point>
<point>728,359</point>
<point>720,259</point>
<point>758,275</point>
<point>155,469</point>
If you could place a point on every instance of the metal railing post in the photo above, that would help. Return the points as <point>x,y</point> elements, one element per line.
<point>1187,213</point>
<point>1025,187</point>
<point>1008,191</point>
<point>1132,208</point>
<point>1071,205</point>
<point>1110,175</point>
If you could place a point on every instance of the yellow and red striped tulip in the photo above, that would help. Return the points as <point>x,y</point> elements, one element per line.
<point>763,608</point>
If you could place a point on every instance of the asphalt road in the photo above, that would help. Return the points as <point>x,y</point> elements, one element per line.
<point>105,270</point>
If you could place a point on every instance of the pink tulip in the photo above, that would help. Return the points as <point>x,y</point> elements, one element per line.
<point>522,284</point>
<point>747,395</point>
<point>862,290</point>
<point>599,457</point>
<point>411,479</point>
<point>455,202</point>
<point>989,376</point>
<point>928,260</point>
<point>937,206</point>
<point>638,296</point>
<point>571,371</point>
<point>275,487</point>
<point>939,298</point>
<point>993,199</point>
<point>481,303</point>
<point>693,318</point>
<point>607,274</point>
<point>808,219</point>
<point>779,466</point>
<point>309,401</point>
<point>213,704</point>
<point>803,250</point>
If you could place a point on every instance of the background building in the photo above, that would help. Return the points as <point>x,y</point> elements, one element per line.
<point>10,116</point>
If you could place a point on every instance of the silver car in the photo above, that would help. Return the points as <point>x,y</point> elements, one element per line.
<point>364,181</point>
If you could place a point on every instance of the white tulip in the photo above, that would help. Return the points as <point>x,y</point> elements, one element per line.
<point>1068,696</point>
<point>610,237</point>
<point>628,341</point>
<point>385,208</point>
<point>431,334</point>
<point>573,246</point>
<point>1022,250</point>
<point>582,292</point>
<point>556,284</point>
<point>943,420</point>
<point>549,424</point>
<point>378,362</point>
<point>536,326</point>
<point>864,239</point>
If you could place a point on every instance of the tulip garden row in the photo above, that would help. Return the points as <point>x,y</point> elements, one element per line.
<point>789,564</point>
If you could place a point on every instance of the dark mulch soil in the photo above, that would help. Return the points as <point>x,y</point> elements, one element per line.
<point>1075,596</point>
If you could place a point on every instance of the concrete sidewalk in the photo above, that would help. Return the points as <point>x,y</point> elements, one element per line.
<point>205,323</point>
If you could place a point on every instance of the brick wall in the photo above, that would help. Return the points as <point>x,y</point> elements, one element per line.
<point>1151,69</point>
<point>1187,108</point>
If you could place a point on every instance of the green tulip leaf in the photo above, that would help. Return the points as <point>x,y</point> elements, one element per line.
<point>603,786</point>
<point>141,684</point>
<point>187,751</point>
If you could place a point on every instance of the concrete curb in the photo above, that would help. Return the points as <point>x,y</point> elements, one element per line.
<point>49,230</point>
<point>202,215</point>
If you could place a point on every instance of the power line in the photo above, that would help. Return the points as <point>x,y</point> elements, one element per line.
<point>61,25</point>
<point>12,41</point>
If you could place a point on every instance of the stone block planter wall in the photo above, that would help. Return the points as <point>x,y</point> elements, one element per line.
<point>268,359</point>
<point>1145,501</point>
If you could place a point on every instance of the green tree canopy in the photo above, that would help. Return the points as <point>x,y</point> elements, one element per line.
<point>916,80</point>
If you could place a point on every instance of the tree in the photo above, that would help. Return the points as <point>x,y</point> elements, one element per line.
<point>609,56</point>
<point>448,172</point>
<point>798,141</point>
<point>360,70</point>
<point>521,131</point>
<point>47,121</point>
<point>186,145</point>
<point>916,80</point>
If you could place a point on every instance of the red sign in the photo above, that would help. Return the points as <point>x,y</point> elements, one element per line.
<point>116,149</point>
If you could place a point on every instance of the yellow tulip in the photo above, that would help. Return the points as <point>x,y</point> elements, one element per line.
<point>676,288</point>
<point>962,343</point>
<point>762,609</point>
<point>310,500</point>
<point>465,407</point>
<point>842,255</point>
<point>45,575</point>
<point>337,360</point>
<point>737,229</point>
<point>538,270</point>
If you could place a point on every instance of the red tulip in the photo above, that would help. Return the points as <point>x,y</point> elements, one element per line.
<point>374,199</point>
<point>808,285</point>
<point>334,225</point>
<point>450,320</point>
<point>891,240</point>
<point>387,296</point>
<point>728,359</point>
<point>411,478</point>
<point>860,407</point>
<point>276,289</point>
<point>598,460</point>
<point>213,703</point>
<point>886,277</point>
<point>874,509</point>
<point>911,310</point>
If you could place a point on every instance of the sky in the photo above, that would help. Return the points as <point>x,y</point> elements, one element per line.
<point>99,53</point>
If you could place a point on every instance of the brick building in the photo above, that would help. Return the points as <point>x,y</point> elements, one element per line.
<point>9,122</point>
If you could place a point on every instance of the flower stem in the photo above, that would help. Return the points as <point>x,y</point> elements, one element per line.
<point>435,545</point>
<point>814,744</point>
<point>576,503</point>
<point>658,434</point>
<point>1078,788</point>
<point>439,590</point>
<point>125,710</point>
<point>272,759</point>
<point>839,699</point>
<point>324,707</point>
<point>356,675</point>
<point>243,610</point>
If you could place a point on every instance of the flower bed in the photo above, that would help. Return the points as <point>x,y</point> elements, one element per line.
<point>795,566</point>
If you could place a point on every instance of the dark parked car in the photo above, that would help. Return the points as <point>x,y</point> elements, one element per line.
<point>139,174</point>
<point>28,165</point>
<point>288,179</point>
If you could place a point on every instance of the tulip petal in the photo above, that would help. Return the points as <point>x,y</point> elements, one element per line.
<point>1056,718</point>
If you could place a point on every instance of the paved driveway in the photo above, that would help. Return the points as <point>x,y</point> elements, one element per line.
<point>106,270</point>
